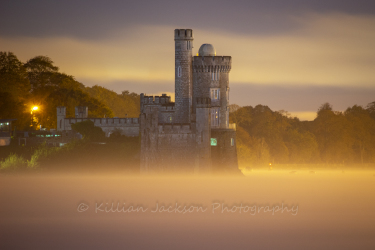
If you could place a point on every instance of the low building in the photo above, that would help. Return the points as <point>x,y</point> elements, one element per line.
<point>5,131</point>
<point>127,126</point>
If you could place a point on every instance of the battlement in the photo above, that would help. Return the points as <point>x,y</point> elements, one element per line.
<point>212,64</point>
<point>183,34</point>
<point>203,102</point>
<point>152,100</point>
<point>102,122</point>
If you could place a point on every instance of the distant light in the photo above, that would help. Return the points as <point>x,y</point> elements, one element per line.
<point>35,108</point>
<point>270,164</point>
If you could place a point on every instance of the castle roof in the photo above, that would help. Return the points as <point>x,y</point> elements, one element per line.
<point>207,50</point>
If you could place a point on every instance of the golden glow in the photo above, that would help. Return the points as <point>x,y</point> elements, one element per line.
<point>330,49</point>
<point>35,108</point>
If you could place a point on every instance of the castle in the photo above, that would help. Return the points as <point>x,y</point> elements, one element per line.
<point>189,135</point>
<point>193,133</point>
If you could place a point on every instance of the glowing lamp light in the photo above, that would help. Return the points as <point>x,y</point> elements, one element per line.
<point>270,164</point>
<point>35,108</point>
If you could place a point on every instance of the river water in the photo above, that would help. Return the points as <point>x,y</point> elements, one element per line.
<point>322,209</point>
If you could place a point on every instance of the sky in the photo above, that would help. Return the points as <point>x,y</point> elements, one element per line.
<point>290,55</point>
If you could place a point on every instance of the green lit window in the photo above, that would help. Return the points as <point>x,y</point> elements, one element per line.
<point>213,142</point>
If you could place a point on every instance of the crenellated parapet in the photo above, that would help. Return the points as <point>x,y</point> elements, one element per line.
<point>183,34</point>
<point>212,64</point>
<point>203,102</point>
<point>155,100</point>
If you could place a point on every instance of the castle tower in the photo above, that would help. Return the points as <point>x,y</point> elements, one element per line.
<point>183,74</point>
<point>61,114</point>
<point>81,112</point>
<point>211,80</point>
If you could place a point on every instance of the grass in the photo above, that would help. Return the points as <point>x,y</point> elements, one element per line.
<point>115,154</point>
<point>13,162</point>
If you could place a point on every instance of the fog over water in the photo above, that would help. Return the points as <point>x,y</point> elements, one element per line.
<point>284,209</point>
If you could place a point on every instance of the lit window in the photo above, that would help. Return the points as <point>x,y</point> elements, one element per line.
<point>213,142</point>
<point>215,117</point>
<point>228,93</point>
<point>232,141</point>
<point>170,118</point>
<point>215,93</point>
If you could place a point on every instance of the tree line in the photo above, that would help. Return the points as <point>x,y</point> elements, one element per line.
<point>38,82</point>
<point>265,136</point>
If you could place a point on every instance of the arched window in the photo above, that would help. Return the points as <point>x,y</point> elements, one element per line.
<point>179,71</point>
<point>215,122</point>
<point>215,93</point>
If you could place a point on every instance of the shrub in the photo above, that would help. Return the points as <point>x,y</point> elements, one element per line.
<point>13,162</point>
<point>41,154</point>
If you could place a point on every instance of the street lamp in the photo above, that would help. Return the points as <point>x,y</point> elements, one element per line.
<point>35,108</point>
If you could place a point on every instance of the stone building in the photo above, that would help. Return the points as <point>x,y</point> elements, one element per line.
<point>189,135</point>
<point>128,126</point>
<point>193,133</point>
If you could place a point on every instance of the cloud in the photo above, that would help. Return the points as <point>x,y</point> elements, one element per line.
<point>331,49</point>
<point>325,57</point>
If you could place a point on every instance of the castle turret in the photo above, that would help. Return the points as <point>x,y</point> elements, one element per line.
<point>183,74</point>
<point>211,80</point>
<point>81,112</point>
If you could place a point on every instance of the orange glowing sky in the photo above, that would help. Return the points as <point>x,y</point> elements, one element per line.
<point>293,57</point>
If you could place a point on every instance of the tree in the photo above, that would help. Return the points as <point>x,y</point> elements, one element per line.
<point>362,131</point>
<point>41,71</point>
<point>331,129</point>
<point>302,146</point>
<point>371,109</point>
<point>14,90</point>
<point>88,130</point>
<point>233,107</point>
<point>13,76</point>
<point>122,105</point>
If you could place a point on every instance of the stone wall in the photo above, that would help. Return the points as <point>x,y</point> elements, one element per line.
<point>128,126</point>
<point>224,155</point>
<point>176,148</point>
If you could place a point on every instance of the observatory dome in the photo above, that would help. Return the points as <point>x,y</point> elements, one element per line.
<point>207,50</point>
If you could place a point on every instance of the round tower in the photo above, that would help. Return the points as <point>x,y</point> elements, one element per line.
<point>211,80</point>
<point>183,74</point>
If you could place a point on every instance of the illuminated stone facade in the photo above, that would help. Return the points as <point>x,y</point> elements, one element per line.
<point>193,133</point>
<point>190,135</point>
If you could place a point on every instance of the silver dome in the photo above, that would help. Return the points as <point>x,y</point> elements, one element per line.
<point>207,50</point>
